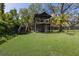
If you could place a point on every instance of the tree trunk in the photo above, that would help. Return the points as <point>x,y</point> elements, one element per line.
<point>60,28</point>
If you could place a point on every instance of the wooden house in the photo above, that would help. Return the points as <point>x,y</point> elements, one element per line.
<point>42,22</point>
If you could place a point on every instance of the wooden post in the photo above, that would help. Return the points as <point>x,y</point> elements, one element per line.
<point>49,28</point>
<point>35,26</point>
<point>45,27</point>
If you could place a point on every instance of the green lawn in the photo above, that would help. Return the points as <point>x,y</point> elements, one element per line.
<point>42,44</point>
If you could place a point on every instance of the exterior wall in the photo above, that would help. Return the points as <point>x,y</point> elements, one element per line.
<point>42,27</point>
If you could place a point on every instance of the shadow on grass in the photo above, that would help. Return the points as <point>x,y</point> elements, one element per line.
<point>51,32</point>
<point>24,33</point>
<point>57,32</point>
<point>6,37</point>
<point>2,41</point>
<point>9,36</point>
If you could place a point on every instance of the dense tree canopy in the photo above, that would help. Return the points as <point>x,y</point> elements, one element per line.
<point>62,15</point>
<point>63,11</point>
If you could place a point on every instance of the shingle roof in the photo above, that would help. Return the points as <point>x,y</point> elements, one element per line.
<point>42,15</point>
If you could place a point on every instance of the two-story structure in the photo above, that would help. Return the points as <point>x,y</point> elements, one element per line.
<point>42,22</point>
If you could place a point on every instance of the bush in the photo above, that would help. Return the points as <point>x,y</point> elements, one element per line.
<point>4,38</point>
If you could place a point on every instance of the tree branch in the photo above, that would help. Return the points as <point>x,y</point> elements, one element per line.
<point>67,7</point>
<point>53,9</point>
<point>62,7</point>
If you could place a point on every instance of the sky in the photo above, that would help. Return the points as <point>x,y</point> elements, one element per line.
<point>17,6</point>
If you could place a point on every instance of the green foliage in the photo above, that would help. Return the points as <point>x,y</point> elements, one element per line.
<point>24,16</point>
<point>63,18</point>
<point>35,8</point>
<point>13,12</point>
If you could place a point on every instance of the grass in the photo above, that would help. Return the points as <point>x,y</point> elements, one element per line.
<point>42,44</point>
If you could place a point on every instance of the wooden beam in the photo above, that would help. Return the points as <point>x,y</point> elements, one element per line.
<point>35,26</point>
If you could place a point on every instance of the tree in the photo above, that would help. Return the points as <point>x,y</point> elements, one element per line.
<point>15,19</point>
<point>23,13</point>
<point>14,14</point>
<point>62,9</point>
<point>35,8</point>
<point>24,20</point>
<point>2,6</point>
<point>8,22</point>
